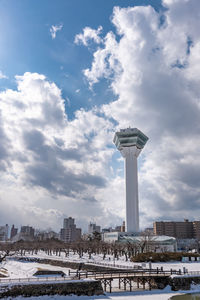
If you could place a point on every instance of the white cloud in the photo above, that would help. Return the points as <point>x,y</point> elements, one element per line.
<point>54,29</point>
<point>153,68</point>
<point>87,35</point>
<point>47,162</point>
<point>2,76</point>
<point>67,166</point>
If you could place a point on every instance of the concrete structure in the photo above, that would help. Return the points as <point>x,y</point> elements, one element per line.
<point>4,233</point>
<point>196,229</point>
<point>13,231</point>
<point>28,231</point>
<point>130,142</point>
<point>152,243</point>
<point>46,235</point>
<point>92,227</point>
<point>179,230</point>
<point>120,228</point>
<point>68,222</point>
<point>69,232</point>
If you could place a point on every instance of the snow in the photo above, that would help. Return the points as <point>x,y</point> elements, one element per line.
<point>121,263</point>
<point>24,269</point>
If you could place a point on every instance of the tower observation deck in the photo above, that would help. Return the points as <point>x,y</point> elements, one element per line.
<point>130,143</point>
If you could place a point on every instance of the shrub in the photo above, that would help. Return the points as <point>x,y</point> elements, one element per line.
<point>161,257</point>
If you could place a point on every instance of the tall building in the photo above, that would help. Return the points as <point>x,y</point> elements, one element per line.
<point>179,230</point>
<point>13,231</point>
<point>69,232</point>
<point>92,227</point>
<point>68,222</point>
<point>130,142</point>
<point>28,231</point>
<point>4,233</point>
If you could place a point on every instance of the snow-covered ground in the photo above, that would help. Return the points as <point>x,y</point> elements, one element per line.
<point>22,269</point>
<point>18,269</point>
<point>108,261</point>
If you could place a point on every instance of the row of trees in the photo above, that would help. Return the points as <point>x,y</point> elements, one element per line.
<point>90,247</point>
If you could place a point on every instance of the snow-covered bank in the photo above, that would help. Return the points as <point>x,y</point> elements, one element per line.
<point>153,295</point>
<point>20,269</point>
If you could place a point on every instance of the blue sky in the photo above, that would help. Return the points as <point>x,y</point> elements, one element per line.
<point>26,43</point>
<point>74,72</point>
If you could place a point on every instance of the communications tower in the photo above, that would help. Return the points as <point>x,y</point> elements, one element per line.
<point>130,143</point>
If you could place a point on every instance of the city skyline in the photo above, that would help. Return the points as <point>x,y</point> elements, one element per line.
<point>72,74</point>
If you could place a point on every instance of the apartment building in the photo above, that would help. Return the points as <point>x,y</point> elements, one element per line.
<point>179,230</point>
<point>69,232</point>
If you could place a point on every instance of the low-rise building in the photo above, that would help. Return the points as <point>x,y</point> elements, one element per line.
<point>187,245</point>
<point>152,243</point>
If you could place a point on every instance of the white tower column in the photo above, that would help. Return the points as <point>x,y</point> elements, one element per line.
<point>130,142</point>
<point>131,178</point>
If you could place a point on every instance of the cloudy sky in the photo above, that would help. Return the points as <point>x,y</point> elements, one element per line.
<point>73,72</point>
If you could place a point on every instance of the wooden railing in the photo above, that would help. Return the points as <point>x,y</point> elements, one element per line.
<point>77,275</point>
<point>122,273</point>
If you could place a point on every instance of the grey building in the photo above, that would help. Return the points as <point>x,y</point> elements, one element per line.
<point>13,231</point>
<point>92,227</point>
<point>4,233</point>
<point>28,231</point>
<point>69,232</point>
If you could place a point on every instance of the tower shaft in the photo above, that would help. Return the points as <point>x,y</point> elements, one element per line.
<point>131,178</point>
